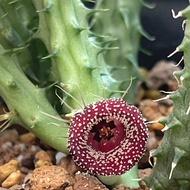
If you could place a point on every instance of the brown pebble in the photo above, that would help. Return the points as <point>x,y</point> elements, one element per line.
<point>7,169</point>
<point>27,138</point>
<point>161,75</point>
<point>157,125</point>
<point>27,160</point>
<point>24,170</point>
<point>41,163</point>
<point>13,179</point>
<point>86,181</point>
<point>151,111</point>
<point>9,135</point>
<point>152,142</point>
<point>42,158</point>
<point>44,178</point>
<point>68,164</point>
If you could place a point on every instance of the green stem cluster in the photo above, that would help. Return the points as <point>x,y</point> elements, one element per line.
<point>120,32</point>
<point>48,42</point>
<point>63,29</point>
<point>30,104</point>
<point>172,169</point>
<point>63,33</point>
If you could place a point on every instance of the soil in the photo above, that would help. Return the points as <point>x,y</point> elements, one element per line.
<point>26,163</point>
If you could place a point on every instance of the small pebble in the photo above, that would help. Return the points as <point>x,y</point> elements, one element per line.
<point>27,138</point>
<point>151,111</point>
<point>157,125</point>
<point>6,145</point>
<point>27,160</point>
<point>86,181</point>
<point>24,170</point>
<point>13,179</point>
<point>44,178</point>
<point>42,158</point>
<point>68,164</point>
<point>10,135</point>
<point>7,169</point>
<point>59,156</point>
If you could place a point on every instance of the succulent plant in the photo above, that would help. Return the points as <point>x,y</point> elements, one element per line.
<point>120,30</point>
<point>47,55</point>
<point>69,55</point>
<point>172,157</point>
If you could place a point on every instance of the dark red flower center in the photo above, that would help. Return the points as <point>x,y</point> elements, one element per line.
<point>106,135</point>
<point>103,131</point>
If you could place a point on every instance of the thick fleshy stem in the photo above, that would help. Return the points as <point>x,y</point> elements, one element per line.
<point>30,105</point>
<point>120,30</point>
<point>63,32</point>
<point>130,178</point>
<point>63,28</point>
<point>172,164</point>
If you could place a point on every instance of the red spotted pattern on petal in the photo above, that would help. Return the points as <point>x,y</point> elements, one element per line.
<point>108,137</point>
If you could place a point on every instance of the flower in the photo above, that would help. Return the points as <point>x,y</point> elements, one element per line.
<point>108,137</point>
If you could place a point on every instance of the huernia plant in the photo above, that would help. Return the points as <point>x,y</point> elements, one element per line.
<point>47,54</point>
<point>172,157</point>
<point>120,36</point>
<point>117,25</point>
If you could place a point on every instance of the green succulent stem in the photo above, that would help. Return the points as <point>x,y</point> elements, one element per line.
<point>64,31</point>
<point>172,164</point>
<point>120,31</point>
<point>130,178</point>
<point>33,111</point>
